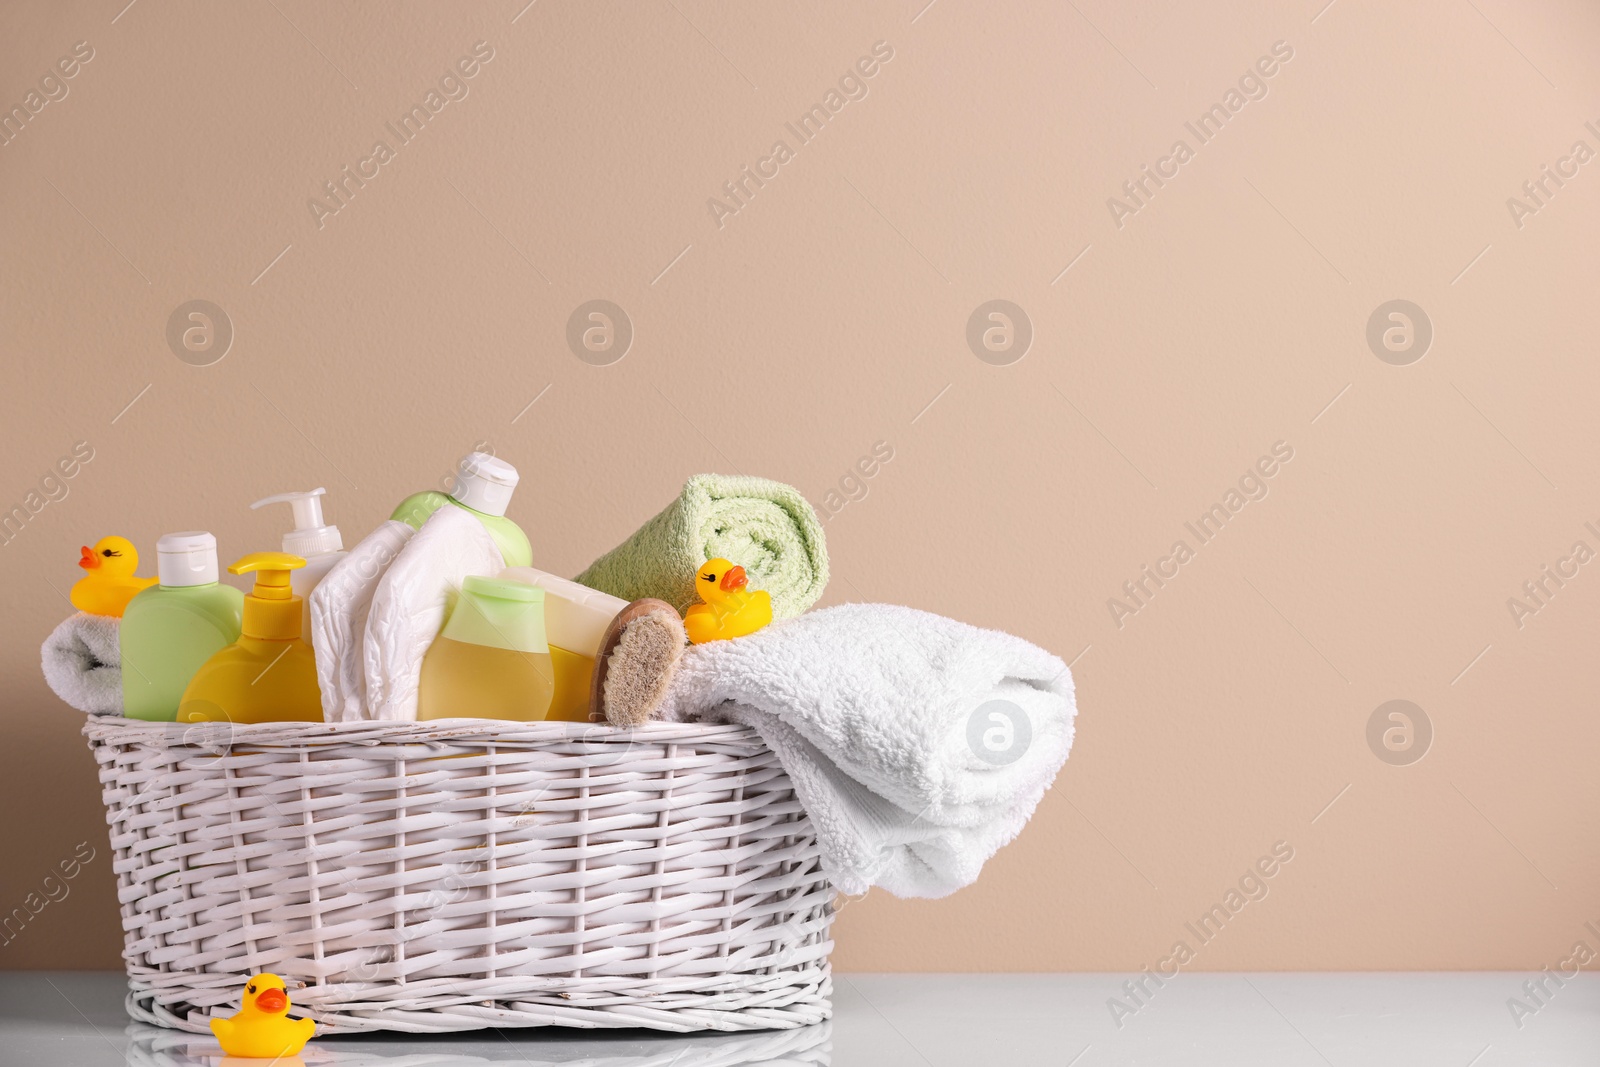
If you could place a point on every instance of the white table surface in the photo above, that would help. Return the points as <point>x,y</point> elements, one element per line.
<point>1360,1020</point>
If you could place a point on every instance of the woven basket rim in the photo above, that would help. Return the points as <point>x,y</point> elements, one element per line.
<point>116,730</point>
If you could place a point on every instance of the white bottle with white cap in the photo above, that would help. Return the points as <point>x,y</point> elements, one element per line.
<point>319,545</point>
<point>483,485</point>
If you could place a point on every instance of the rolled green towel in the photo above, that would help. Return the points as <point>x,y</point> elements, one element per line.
<point>764,526</point>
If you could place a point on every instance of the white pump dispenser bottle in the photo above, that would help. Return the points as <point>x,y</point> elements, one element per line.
<point>319,545</point>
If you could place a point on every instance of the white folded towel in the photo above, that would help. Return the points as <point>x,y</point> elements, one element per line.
<point>82,661</point>
<point>919,745</point>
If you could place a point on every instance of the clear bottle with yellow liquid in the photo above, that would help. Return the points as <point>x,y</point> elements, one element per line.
<point>491,660</point>
<point>270,673</point>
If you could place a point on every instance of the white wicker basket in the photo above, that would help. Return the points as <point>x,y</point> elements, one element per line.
<point>465,873</point>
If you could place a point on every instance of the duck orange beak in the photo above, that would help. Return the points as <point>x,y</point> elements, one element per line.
<point>734,579</point>
<point>90,560</point>
<point>272,1001</point>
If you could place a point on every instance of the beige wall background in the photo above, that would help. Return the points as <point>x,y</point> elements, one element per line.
<point>1174,343</point>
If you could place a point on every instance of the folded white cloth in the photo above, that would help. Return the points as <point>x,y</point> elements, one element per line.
<point>918,745</point>
<point>412,600</point>
<point>82,661</point>
<point>339,607</point>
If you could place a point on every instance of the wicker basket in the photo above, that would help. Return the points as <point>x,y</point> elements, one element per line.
<point>461,874</point>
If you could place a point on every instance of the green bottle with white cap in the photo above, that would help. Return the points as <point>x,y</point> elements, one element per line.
<point>491,660</point>
<point>483,486</point>
<point>171,629</point>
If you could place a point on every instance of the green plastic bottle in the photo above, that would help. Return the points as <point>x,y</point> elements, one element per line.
<point>483,487</point>
<point>172,628</point>
<point>491,660</point>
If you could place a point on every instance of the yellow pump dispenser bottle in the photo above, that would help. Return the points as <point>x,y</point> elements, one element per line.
<point>270,673</point>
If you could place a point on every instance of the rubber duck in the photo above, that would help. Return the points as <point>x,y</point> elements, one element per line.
<point>110,583</point>
<point>261,1030</point>
<point>730,608</point>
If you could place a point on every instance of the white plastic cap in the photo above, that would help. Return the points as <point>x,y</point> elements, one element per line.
<point>309,537</point>
<point>186,558</point>
<point>484,483</point>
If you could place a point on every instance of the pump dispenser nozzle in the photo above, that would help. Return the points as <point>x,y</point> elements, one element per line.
<point>271,611</point>
<point>309,536</point>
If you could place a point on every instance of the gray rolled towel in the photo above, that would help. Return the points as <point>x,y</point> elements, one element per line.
<point>82,661</point>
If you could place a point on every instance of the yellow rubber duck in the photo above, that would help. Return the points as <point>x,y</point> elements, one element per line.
<point>110,583</point>
<point>730,609</point>
<point>261,1030</point>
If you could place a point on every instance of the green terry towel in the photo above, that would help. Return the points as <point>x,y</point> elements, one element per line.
<point>764,526</point>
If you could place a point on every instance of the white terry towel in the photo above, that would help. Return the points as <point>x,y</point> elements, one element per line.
<point>82,661</point>
<point>412,600</point>
<point>339,607</point>
<point>919,745</point>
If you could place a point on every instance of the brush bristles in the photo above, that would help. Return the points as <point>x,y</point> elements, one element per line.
<point>641,669</point>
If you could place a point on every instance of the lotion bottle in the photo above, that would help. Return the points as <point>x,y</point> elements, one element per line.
<point>491,660</point>
<point>483,486</point>
<point>169,630</point>
<point>270,673</point>
<point>320,546</point>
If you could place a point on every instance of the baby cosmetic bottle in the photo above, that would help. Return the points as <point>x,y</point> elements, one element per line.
<point>173,627</point>
<point>575,622</point>
<point>483,486</point>
<point>270,673</point>
<point>320,546</point>
<point>490,661</point>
